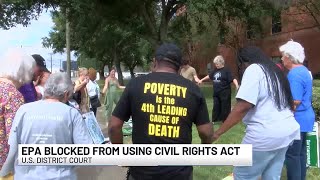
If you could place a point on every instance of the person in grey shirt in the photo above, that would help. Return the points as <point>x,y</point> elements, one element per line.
<point>49,121</point>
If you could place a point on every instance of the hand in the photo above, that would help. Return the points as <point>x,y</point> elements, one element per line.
<point>215,136</point>
<point>199,82</point>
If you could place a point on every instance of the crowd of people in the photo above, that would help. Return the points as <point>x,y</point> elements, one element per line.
<point>38,107</point>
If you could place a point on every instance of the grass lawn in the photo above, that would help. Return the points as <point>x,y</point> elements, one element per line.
<point>233,136</point>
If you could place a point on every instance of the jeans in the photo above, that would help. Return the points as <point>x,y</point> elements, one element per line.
<point>267,164</point>
<point>296,159</point>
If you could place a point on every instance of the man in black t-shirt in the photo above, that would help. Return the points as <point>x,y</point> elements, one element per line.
<point>163,106</point>
<point>221,78</point>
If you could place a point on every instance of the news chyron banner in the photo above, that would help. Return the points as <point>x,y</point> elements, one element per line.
<point>136,154</point>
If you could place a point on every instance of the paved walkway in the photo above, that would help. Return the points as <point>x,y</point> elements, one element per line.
<point>101,172</point>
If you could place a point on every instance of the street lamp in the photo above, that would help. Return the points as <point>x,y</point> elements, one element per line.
<point>51,60</point>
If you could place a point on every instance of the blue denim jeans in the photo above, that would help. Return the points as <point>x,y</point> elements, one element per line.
<point>267,164</point>
<point>296,159</point>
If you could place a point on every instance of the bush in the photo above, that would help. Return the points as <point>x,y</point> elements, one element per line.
<point>316,100</point>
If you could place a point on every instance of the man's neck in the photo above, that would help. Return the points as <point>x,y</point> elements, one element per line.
<point>167,70</point>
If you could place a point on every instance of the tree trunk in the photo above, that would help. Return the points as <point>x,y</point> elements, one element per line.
<point>118,67</point>
<point>102,71</point>
<point>131,72</point>
<point>68,45</point>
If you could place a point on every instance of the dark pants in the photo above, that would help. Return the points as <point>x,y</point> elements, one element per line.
<point>221,105</point>
<point>129,177</point>
<point>94,110</point>
<point>296,159</point>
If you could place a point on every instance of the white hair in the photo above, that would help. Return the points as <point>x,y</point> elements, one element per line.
<point>218,60</point>
<point>17,66</point>
<point>83,71</point>
<point>294,51</point>
<point>57,85</point>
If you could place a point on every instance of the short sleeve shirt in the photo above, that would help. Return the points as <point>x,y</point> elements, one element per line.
<point>188,73</point>
<point>301,89</point>
<point>29,92</point>
<point>10,101</point>
<point>163,107</point>
<point>43,122</point>
<point>264,119</point>
<point>221,79</point>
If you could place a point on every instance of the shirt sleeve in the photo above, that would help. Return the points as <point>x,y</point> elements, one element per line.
<point>250,84</point>
<point>80,131</point>
<point>13,141</point>
<point>202,116</point>
<point>211,75</point>
<point>296,86</point>
<point>229,76</point>
<point>123,107</point>
<point>194,73</point>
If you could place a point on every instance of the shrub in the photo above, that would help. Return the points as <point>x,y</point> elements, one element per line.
<point>316,101</point>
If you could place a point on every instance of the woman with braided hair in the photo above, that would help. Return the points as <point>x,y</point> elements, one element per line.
<point>265,104</point>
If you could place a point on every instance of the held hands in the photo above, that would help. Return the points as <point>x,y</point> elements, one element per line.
<point>215,137</point>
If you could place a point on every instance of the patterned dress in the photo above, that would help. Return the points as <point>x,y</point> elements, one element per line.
<point>10,101</point>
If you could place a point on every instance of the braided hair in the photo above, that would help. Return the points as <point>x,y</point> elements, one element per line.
<point>278,84</point>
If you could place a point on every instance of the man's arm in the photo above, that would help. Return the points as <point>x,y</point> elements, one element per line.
<point>239,111</point>
<point>204,79</point>
<point>235,82</point>
<point>115,130</point>
<point>205,132</point>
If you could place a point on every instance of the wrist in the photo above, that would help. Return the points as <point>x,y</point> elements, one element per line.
<point>219,132</point>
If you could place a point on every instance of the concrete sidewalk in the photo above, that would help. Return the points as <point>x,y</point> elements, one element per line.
<point>101,172</point>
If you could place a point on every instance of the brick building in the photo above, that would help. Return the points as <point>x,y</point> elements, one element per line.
<point>293,23</point>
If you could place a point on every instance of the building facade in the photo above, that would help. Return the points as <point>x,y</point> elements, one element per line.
<point>296,23</point>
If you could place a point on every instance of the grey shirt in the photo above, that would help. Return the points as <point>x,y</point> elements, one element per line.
<point>44,122</point>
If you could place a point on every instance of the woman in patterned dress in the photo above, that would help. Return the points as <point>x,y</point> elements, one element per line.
<point>16,69</point>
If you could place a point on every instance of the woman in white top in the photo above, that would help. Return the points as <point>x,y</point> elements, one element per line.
<point>93,91</point>
<point>265,104</point>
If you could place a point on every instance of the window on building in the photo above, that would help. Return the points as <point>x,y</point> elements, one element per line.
<point>276,22</point>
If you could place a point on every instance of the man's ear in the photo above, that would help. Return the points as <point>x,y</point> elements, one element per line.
<point>154,64</point>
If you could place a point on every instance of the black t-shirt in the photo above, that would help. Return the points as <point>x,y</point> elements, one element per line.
<point>221,79</point>
<point>163,107</point>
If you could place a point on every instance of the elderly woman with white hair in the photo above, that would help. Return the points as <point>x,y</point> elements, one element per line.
<point>300,81</point>
<point>221,78</point>
<point>50,121</point>
<point>16,69</point>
